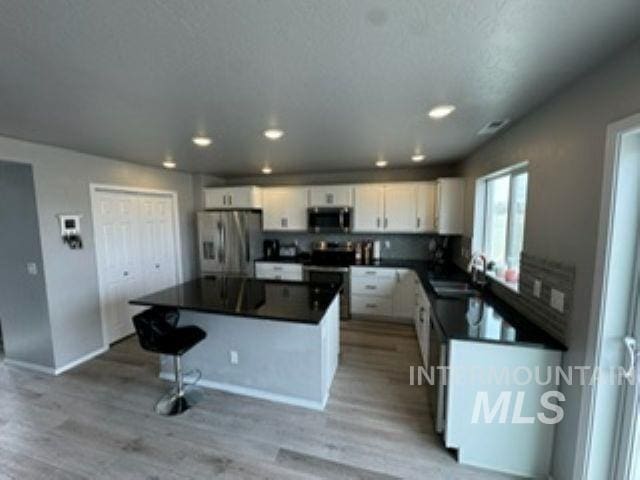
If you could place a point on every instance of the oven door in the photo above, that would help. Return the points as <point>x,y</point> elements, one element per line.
<point>328,220</point>
<point>331,276</point>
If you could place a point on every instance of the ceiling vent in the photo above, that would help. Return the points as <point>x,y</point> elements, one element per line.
<point>492,127</point>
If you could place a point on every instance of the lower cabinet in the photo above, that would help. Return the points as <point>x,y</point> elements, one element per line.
<point>279,271</point>
<point>388,293</point>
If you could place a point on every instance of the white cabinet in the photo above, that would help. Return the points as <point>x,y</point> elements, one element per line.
<point>404,294</point>
<point>368,208</point>
<point>450,206</point>
<point>422,322</point>
<point>284,208</point>
<point>404,207</point>
<point>331,196</point>
<point>401,207</point>
<point>383,292</point>
<point>232,197</point>
<point>426,209</point>
<point>279,271</point>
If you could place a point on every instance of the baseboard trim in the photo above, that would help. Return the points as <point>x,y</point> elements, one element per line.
<point>29,366</point>
<point>81,360</point>
<point>256,393</point>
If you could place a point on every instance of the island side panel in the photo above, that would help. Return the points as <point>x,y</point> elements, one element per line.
<point>279,361</point>
<point>330,346</point>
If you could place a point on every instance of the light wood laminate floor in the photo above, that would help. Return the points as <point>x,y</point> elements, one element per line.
<point>97,422</point>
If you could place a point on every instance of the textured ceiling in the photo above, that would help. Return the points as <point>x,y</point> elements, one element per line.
<point>349,81</point>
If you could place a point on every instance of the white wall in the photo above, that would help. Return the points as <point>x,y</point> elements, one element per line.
<point>62,179</point>
<point>564,141</point>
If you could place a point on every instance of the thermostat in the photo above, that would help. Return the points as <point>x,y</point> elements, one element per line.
<point>70,230</point>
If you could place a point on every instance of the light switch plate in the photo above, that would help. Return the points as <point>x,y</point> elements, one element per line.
<point>32,268</point>
<point>537,288</point>
<point>233,357</point>
<point>557,300</point>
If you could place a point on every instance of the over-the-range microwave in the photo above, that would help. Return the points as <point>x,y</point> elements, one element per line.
<point>329,219</point>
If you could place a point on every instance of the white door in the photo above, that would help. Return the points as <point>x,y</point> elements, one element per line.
<point>368,208</point>
<point>157,242</point>
<point>136,254</point>
<point>118,260</point>
<point>400,208</point>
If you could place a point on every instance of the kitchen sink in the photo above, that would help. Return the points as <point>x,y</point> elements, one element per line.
<point>445,288</point>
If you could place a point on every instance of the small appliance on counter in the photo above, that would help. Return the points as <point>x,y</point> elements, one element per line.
<point>289,250</point>
<point>271,249</point>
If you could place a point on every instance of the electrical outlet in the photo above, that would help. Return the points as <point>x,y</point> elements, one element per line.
<point>32,268</point>
<point>387,244</point>
<point>233,357</point>
<point>557,300</point>
<point>537,288</point>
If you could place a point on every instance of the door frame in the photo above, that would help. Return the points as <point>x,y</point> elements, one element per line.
<point>94,189</point>
<point>593,356</point>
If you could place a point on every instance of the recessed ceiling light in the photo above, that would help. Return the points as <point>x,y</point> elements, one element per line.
<point>169,163</point>
<point>417,157</point>
<point>273,133</point>
<point>201,141</point>
<point>381,163</point>
<point>441,111</point>
<point>266,170</point>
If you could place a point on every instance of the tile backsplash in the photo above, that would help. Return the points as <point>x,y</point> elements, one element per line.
<point>552,275</point>
<point>410,246</point>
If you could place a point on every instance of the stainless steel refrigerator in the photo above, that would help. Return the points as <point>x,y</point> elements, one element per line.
<point>229,241</point>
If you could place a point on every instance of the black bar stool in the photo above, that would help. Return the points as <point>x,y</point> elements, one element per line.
<point>158,332</point>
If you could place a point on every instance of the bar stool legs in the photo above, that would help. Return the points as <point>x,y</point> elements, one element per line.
<point>180,398</point>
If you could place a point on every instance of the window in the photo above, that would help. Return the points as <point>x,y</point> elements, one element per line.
<point>501,200</point>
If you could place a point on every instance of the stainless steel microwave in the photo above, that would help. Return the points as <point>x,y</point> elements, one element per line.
<point>329,219</point>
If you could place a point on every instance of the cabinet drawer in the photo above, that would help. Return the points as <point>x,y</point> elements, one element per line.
<point>372,272</point>
<point>373,285</point>
<point>370,305</point>
<point>279,271</point>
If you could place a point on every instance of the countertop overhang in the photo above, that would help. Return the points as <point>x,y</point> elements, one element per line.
<point>297,302</point>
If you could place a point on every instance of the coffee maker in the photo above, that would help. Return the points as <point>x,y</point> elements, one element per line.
<point>271,249</point>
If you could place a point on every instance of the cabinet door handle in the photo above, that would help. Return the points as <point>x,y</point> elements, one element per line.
<point>371,305</point>
<point>224,200</point>
<point>330,198</point>
<point>378,222</point>
<point>386,222</point>
<point>418,222</point>
<point>370,287</point>
<point>125,274</point>
<point>230,200</point>
<point>157,265</point>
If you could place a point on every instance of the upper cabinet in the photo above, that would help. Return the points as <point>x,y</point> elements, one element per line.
<point>426,209</point>
<point>449,216</point>
<point>419,207</point>
<point>407,207</point>
<point>284,208</point>
<point>330,196</point>
<point>368,208</point>
<point>401,208</point>
<point>232,198</point>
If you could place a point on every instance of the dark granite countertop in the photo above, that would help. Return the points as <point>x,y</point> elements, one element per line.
<point>296,302</point>
<point>486,318</point>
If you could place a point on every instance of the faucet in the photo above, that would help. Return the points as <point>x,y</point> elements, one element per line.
<point>472,268</point>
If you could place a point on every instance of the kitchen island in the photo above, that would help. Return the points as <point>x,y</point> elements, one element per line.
<point>267,339</point>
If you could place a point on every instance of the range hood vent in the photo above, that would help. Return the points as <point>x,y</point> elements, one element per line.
<point>492,127</point>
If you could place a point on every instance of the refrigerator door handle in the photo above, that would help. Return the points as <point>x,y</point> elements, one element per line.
<point>221,243</point>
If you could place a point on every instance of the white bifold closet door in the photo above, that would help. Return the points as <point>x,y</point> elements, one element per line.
<point>136,253</point>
